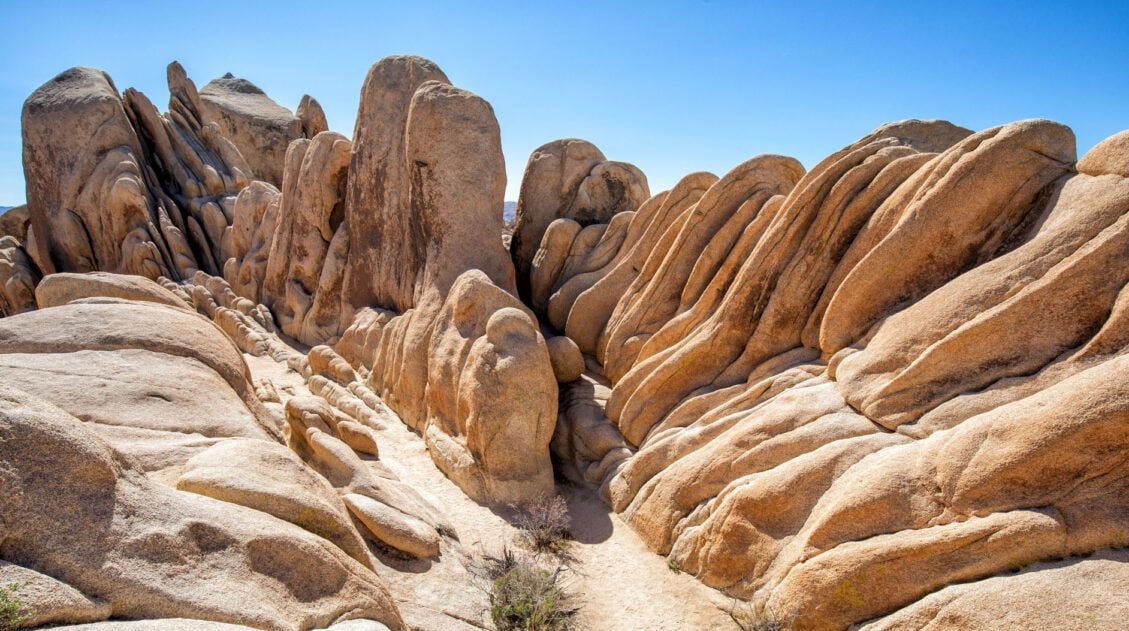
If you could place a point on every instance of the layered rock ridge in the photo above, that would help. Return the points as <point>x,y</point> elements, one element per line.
<point>841,390</point>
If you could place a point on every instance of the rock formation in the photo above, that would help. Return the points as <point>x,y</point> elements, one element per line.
<point>365,247</point>
<point>838,391</point>
<point>569,179</point>
<point>424,202</point>
<point>862,394</point>
<point>260,128</point>
<point>102,417</point>
<point>329,255</point>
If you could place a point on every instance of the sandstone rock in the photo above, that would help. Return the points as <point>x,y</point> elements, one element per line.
<point>111,327</point>
<point>59,289</point>
<point>924,279</point>
<point>384,257</point>
<point>1087,593</point>
<point>260,128</point>
<point>249,568</point>
<point>359,437</point>
<point>312,116</point>
<point>89,202</point>
<point>393,528</point>
<point>49,601</point>
<point>304,271</point>
<point>569,178</point>
<point>1007,166</point>
<point>588,300</point>
<point>545,268</point>
<point>18,277</point>
<point>410,522</point>
<point>255,217</point>
<point>458,422</point>
<point>160,624</point>
<point>653,299</point>
<point>326,362</point>
<point>718,341</point>
<point>495,391</point>
<point>1108,157</point>
<point>194,173</point>
<point>589,447</point>
<point>435,150</point>
<point>14,223</point>
<point>568,363</point>
<point>268,477</point>
<point>350,401</point>
<point>1045,297</point>
<point>862,394</point>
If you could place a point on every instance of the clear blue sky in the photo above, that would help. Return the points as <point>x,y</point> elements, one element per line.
<point>671,87</point>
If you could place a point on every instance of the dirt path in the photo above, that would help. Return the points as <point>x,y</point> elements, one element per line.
<point>619,584</point>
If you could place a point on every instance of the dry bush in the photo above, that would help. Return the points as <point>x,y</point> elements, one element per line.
<point>756,616</point>
<point>544,524</point>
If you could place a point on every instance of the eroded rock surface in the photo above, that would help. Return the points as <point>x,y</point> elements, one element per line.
<point>260,128</point>
<point>569,179</point>
<point>841,390</point>
<point>106,404</point>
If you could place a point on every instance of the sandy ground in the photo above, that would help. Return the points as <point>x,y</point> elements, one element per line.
<point>617,582</point>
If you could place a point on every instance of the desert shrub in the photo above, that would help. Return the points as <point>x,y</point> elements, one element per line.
<point>674,566</point>
<point>544,524</point>
<point>525,594</point>
<point>12,610</point>
<point>756,616</point>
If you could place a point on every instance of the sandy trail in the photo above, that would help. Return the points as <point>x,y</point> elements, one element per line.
<point>618,583</point>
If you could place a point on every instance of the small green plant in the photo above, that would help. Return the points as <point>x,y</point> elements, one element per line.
<point>544,524</point>
<point>756,616</point>
<point>12,611</point>
<point>525,595</point>
<point>674,566</point>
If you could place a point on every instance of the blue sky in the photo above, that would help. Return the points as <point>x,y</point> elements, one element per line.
<point>671,87</point>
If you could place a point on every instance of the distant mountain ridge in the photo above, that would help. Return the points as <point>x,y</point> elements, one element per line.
<point>509,211</point>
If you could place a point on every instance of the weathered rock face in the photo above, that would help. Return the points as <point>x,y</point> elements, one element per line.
<point>88,199</point>
<point>195,169</point>
<point>842,390</point>
<point>285,576</point>
<point>15,223</point>
<point>306,263</point>
<point>569,179</point>
<point>312,116</point>
<point>18,277</point>
<point>254,220</point>
<point>113,185</point>
<point>385,258</point>
<point>365,247</point>
<point>260,128</point>
<point>426,182</point>
<point>119,354</point>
